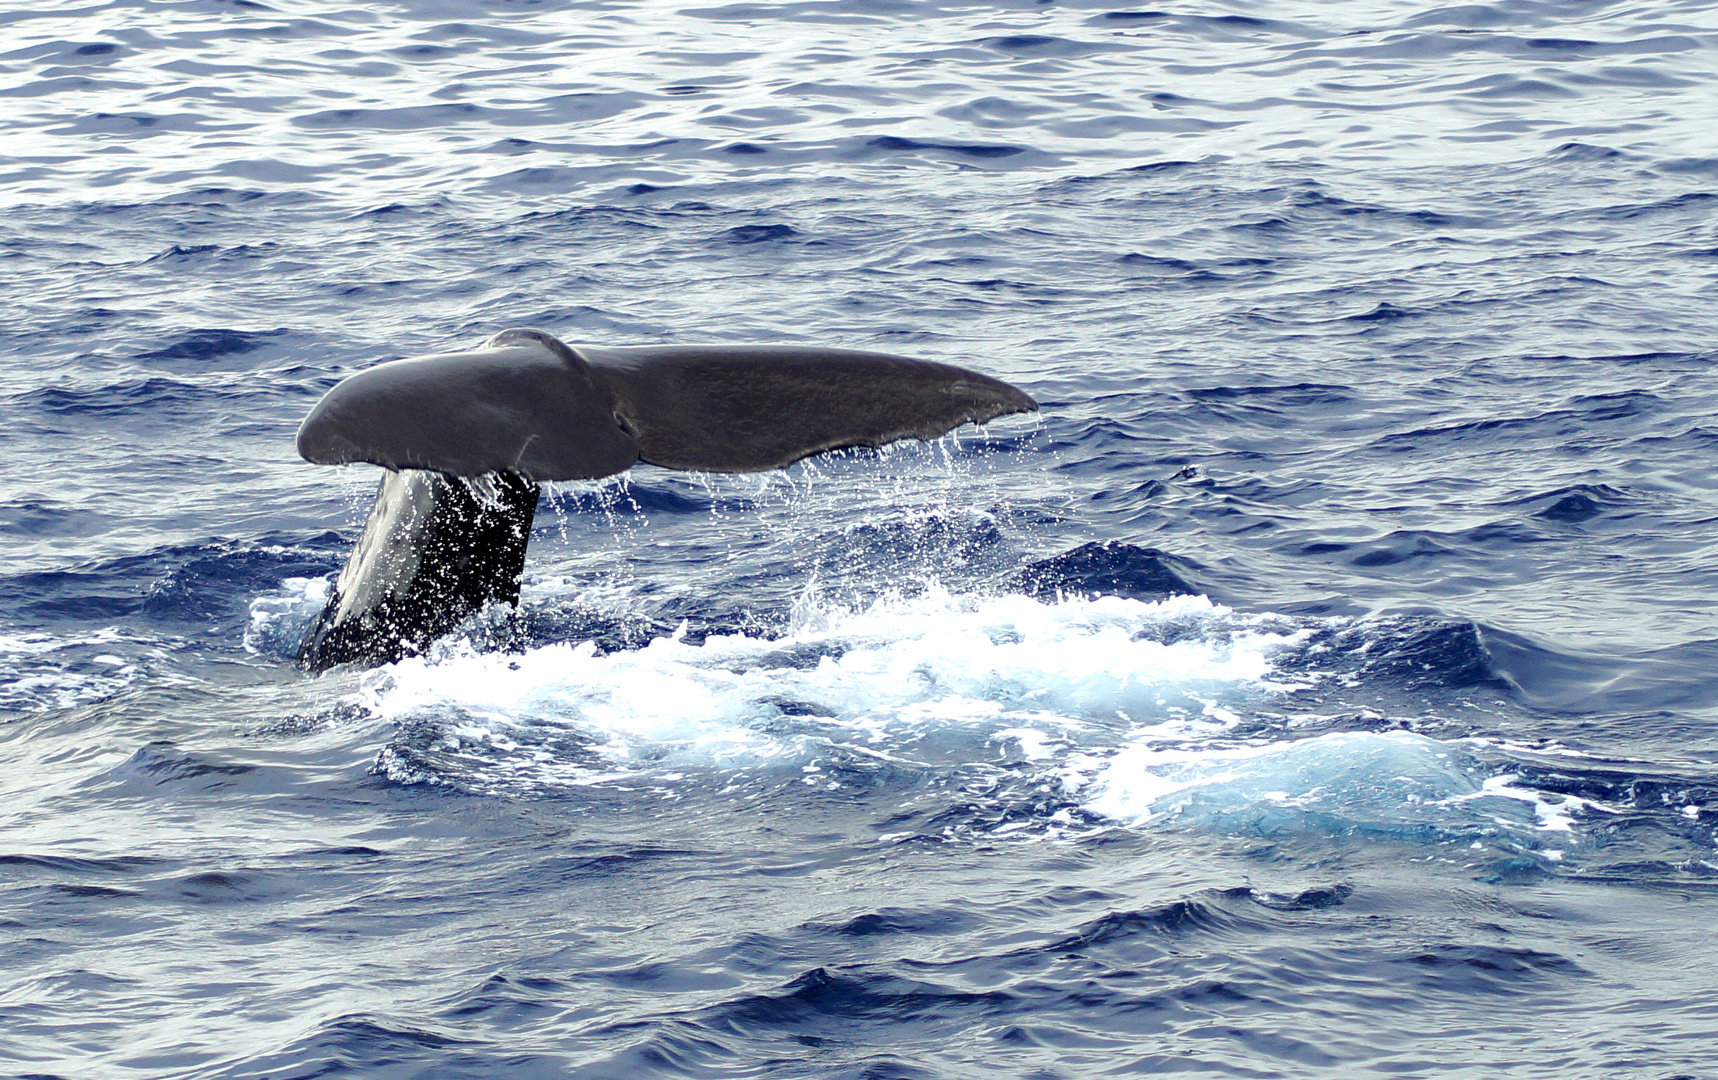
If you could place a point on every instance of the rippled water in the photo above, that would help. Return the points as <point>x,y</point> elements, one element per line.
<point>1322,684</point>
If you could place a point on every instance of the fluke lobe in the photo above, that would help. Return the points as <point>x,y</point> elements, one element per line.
<point>467,436</point>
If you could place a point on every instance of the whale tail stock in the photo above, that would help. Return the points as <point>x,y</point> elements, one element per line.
<point>467,436</point>
<point>434,550</point>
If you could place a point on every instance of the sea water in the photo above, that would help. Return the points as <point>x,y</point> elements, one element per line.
<point>1321,684</point>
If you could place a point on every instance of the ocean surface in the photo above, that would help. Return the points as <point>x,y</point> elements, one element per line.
<point>1324,683</point>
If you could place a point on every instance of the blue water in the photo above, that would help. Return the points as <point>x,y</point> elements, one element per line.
<point>1323,684</point>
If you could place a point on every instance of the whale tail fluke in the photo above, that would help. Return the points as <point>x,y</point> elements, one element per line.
<point>527,403</point>
<point>755,408</point>
<point>520,404</point>
<point>467,436</point>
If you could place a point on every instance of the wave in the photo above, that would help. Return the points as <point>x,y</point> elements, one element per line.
<point>977,91</point>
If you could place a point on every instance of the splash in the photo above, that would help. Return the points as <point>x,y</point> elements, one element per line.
<point>968,670</point>
<point>1383,779</point>
<point>278,621</point>
<point>1169,714</point>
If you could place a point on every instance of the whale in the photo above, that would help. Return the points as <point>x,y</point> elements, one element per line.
<point>467,438</point>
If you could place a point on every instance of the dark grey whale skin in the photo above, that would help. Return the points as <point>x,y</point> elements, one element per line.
<point>435,550</point>
<point>527,403</point>
<point>467,436</point>
<point>523,403</point>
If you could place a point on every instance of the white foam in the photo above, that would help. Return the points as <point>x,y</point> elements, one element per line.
<point>1387,778</point>
<point>1394,781</point>
<point>1555,812</point>
<point>1139,710</point>
<point>278,620</point>
<point>996,667</point>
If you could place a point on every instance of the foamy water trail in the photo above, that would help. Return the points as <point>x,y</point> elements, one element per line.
<point>881,675</point>
<point>1143,714</point>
